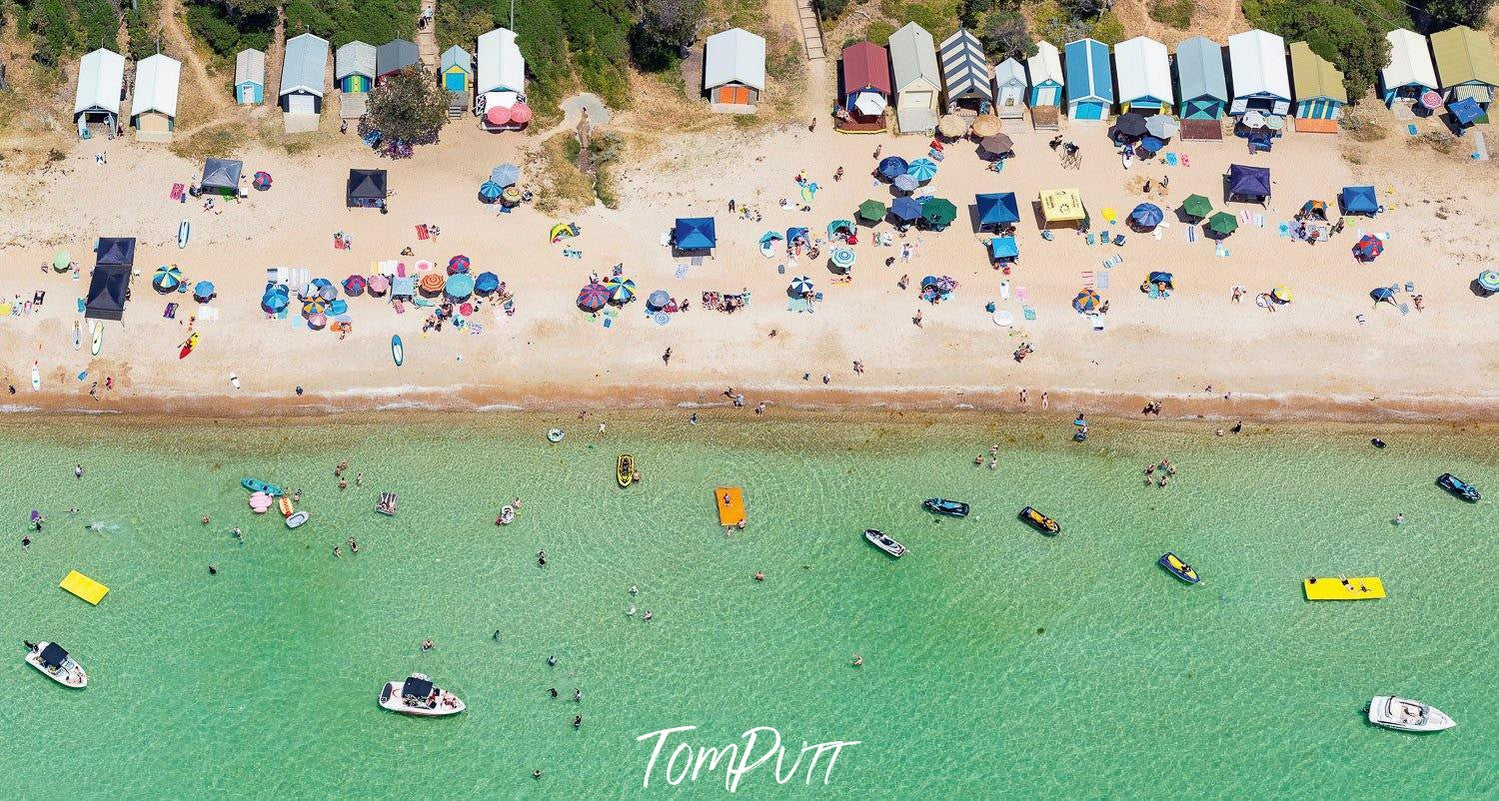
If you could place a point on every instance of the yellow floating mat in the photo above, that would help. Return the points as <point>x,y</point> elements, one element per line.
<point>1346,588</point>
<point>84,587</point>
<point>730,502</point>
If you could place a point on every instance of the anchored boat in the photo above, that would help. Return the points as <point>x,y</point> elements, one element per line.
<point>1459,488</point>
<point>418,696</point>
<point>884,542</point>
<point>53,660</point>
<point>1393,712</point>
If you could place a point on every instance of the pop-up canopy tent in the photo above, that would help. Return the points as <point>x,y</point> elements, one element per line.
<point>106,293</point>
<point>115,252</point>
<point>365,188</point>
<point>1359,200</point>
<point>1248,182</point>
<point>694,233</point>
<point>1062,205</point>
<point>221,176</point>
<point>997,208</point>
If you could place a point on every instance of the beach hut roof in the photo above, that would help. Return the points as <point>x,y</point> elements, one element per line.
<point>865,66</point>
<point>302,69</point>
<point>913,55</point>
<point>1144,69</point>
<point>366,185</point>
<point>1009,71</point>
<point>1088,71</point>
<point>964,67</point>
<point>115,251</point>
<point>501,66</point>
<point>249,67</point>
<point>1045,65</point>
<point>101,76</point>
<point>156,81</point>
<point>354,58</point>
<point>456,56</point>
<point>1410,61</point>
<point>1463,55</point>
<point>734,56</point>
<point>1199,69</point>
<point>222,174</point>
<point>1258,61</point>
<point>1315,76</point>
<point>394,55</point>
<point>106,293</point>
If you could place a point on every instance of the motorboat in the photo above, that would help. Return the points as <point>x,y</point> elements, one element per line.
<point>1459,488</point>
<point>53,660</point>
<point>624,470</point>
<point>884,542</point>
<point>418,696</point>
<point>1393,712</point>
<point>1040,522</point>
<point>1178,568</point>
<point>943,506</point>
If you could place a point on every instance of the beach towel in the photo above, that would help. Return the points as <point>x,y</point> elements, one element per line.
<point>1171,159</point>
<point>681,271</point>
<point>1029,312</point>
<point>1157,234</point>
<point>572,253</point>
<point>1186,162</point>
<point>82,307</point>
<point>1191,234</point>
<point>1004,290</point>
<point>1405,308</point>
<point>1221,251</point>
<point>1089,239</point>
<point>1087,279</point>
<point>399,306</point>
<point>1244,217</point>
<point>1259,220</point>
<point>1103,281</point>
<point>176,193</point>
<point>421,232</point>
<point>171,311</point>
<point>1411,129</point>
<point>1022,295</point>
<point>1283,228</point>
<point>207,314</point>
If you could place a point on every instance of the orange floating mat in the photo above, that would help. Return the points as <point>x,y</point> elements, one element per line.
<point>1349,588</point>
<point>84,587</point>
<point>730,503</point>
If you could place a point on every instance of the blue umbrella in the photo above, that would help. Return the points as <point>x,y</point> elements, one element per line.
<point>658,299</point>
<point>906,183</point>
<point>922,170</point>
<point>505,175</point>
<point>843,258</point>
<point>1147,215</point>
<point>905,209</point>
<point>893,167</point>
<point>203,292</point>
<point>486,283</point>
<point>1382,293</point>
<point>490,190</point>
<point>459,287</point>
<point>1152,144</point>
<point>800,285</point>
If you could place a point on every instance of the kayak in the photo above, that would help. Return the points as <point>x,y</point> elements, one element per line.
<point>188,346</point>
<point>1178,568</point>
<point>256,485</point>
<point>397,350</point>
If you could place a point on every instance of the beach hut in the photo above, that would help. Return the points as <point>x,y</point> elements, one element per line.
<point>354,68</point>
<point>966,71</point>
<point>1258,62</point>
<point>107,288</point>
<point>1047,83</point>
<point>1062,205</point>
<point>365,189</point>
<point>1410,72</point>
<point>249,77</point>
<point>302,75</point>
<point>1200,78</point>
<point>1090,86</point>
<point>153,109</point>
<point>500,83</point>
<point>394,56</point>
<point>918,79</point>
<point>101,86</point>
<point>1320,95</point>
<point>865,87</point>
<point>694,235</point>
<point>1009,89</point>
<point>457,70</point>
<point>1465,64</point>
<point>734,70</point>
<point>1250,184</point>
<point>221,176</point>
<point>1144,71</point>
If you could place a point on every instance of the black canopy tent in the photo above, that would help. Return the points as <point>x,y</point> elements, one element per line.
<point>366,188</point>
<point>417,688</point>
<point>108,289</point>
<point>53,656</point>
<point>221,176</point>
<point>115,252</point>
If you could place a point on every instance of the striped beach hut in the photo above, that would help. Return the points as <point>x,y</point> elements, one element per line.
<point>1047,78</point>
<point>1257,61</point>
<point>249,78</point>
<point>1320,95</point>
<point>1009,89</point>
<point>1090,83</point>
<point>457,70</point>
<point>302,75</point>
<point>1200,79</point>
<point>101,85</point>
<point>918,79</point>
<point>1410,72</point>
<point>1465,64</point>
<point>1144,72</point>
<point>354,68</point>
<point>965,71</point>
<point>153,109</point>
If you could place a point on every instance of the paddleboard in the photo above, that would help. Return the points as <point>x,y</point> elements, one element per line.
<point>397,350</point>
<point>77,335</point>
<point>234,380</point>
<point>36,378</point>
<point>98,332</point>
<point>184,229</point>
<point>83,375</point>
<point>187,347</point>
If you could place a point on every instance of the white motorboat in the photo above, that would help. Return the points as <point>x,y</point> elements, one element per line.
<point>1393,712</point>
<point>51,659</point>
<point>418,696</point>
<point>884,542</point>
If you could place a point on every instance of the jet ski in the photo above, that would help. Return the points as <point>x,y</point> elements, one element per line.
<point>1459,488</point>
<point>943,506</point>
<point>1041,522</point>
<point>1178,568</point>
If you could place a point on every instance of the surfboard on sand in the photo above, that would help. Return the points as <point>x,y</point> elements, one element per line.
<point>397,350</point>
<point>77,335</point>
<point>98,331</point>
<point>36,378</point>
<point>184,230</point>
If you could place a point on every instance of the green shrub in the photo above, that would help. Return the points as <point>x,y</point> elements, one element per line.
<point>1176,13</point>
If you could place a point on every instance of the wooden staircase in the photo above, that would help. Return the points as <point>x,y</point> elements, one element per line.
<point>811,30</point>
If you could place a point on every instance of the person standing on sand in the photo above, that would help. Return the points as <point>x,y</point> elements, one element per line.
<point>1045,400</point>
<point>917,318</point>
<point>666,357</point>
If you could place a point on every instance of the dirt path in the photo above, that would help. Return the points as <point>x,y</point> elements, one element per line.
<point>426,39</point>
<point>174,29</point>
<point>1215,19</point>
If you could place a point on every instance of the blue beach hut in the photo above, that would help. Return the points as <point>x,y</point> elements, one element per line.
<point>249,78</point>
<point>1090,84</point>
<point>457,69</point>
<point>997,208</point>
<point>1201,79</point>
<point>694,234</point>
<point>1359,200</point>
<point>1046,75</point>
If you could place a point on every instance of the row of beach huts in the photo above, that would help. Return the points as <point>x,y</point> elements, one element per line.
<point>491,83</point>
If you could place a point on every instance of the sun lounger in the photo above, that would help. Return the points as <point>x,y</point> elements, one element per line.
<point>1089,239</point>
<point>1405,308</point>
<point>572,253</point>
<point>1259,220</point>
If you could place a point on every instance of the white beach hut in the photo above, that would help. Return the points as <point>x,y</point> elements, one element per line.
<point>1009,89</point>
<point>734,70</point>
<point>1143,69</point>
<point>918,79</point>
<point>101,85</point>
<point>500,83</point>
<point>1411,71</point>
<point>153,109</point>
<point>1257,64</point>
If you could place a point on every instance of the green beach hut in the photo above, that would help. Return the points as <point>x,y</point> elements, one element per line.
<point>354,67</point>
<point>457,69</point>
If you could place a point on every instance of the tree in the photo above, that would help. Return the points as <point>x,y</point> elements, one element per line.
<point>1445,13</point>
<point>1006,35</point>
<point>1084,9</point>
<point>663,29</point>
<point>408,108</point>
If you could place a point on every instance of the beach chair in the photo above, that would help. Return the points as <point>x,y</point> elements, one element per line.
<point>1089,239</point>
<point>1119,240</point>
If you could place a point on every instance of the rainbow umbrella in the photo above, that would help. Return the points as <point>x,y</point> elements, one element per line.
<point>1368,248</point>
<point>1086,301</point>
<point>458,264</point>
<point>843,258</point>
<point>355,285</point>
<point>592,297</point>
<point>922,170</point>
<point>621,290</point>
<point>486,283</point>
<point>167,279</point>
<point>1488,280</point>
<point>314,306</point>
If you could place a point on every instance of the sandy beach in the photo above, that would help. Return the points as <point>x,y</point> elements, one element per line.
<point>1199,351</point>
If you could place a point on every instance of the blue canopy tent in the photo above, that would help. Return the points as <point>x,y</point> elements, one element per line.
<point>1359,200</point>
<point>694,234</point>
<point>997,208</point>
<point>1248,182</point>
<point>1003,248</point>
<point>1465,111</point>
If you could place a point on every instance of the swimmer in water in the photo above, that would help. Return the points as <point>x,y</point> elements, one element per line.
<point>207,520</point>
<point>353,545</point>
<point>630,612</point>
<point>858,660</point>
<point>552,661</point>
<point>296,495</point>
<point>536,774</point>
<point>647,615</point>
<point>343,483</point>
<point>1400,519</point>
<point>515,503</point>
<point>553,692</point>
<point>78,471</point>
<point>427,644</point>
<point>495,636</point>
<point>759,575</point>
<point>577,695</point>
<point>337,551</point>
<point>25,541</point>
<point>239,535</point>
<point>577,721</point>
<point>359,479</point>
<point>213,570</point>
<point>634,590</point>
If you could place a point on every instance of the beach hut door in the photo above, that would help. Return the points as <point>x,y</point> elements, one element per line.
<point>1046,96</point>
<point>301,104</point>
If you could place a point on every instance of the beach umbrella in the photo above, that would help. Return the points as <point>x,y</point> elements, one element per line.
<point>1281,294</point>
<point>659,299</point>
<point>431,284</point>
<point>203,291</point>
<point>338,308</point>
<point>1151,144</point>
<point>840,225</point>
<point>892,167</point>
<point>1223,223</point>
<point>166,279</point>
<point>905,183</point>
<point>1086,301</point>
<point>314,306</point>
<point>510,196</point>
<point>1368,248</point>
<point>1159,277</point>
<point>486,283</point>
<point>490,191</point>
<point>1197,206</point>
<point>1147,215</point>
<point>930,280</point>
<point>843,259</point>
<point>939,212</point>
<point>520,113</point>
<point>985,125</point>
<point>274,301</point>
<point>592,297</point>
<point>1431,100</point>
<point>1488,280</point>
<point>621,290</point>
<point>905,209</point>
<point>1382,293</point>
<point>262,181</point>
<point>1275,122</point>
<point>61,261</point>
<point>770,236</point>
<point>1130,124</point>
<point>378,285</point>
<point>997,145</point>
<point>317,322</point>
<point>952,126</point>
<point>800,286</point>
<point>872,210</point>
<point>327,291</point>
<point>1252,119</point>
<point>355,285</point>
<point>1162,126</point>
<point>497,115</point>
<point>506,174</point>
<point>466,309</point>
<point>922,170</point>
<point>870,104</point>
<point>458,287</point>
<point>458,264</point>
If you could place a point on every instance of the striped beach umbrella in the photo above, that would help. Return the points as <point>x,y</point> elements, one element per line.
<point>800,286</point>
<point>262,181</point>
<point>1488,280</point>
<point>314,306</point>
<point>842,259</point>
<point>905,183</point>
<point>621,290</point>
<point>922,170</point>
<point>592,297</point>
<point>458,264</point>
<point>490,191</point>
<point>275,300</point>
<point>1368,248</point>
<point>355,285</point>
<point>1086,301</point>
<point>167,279</point>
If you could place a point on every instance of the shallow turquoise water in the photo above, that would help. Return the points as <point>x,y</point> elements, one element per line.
<point>261,681</point>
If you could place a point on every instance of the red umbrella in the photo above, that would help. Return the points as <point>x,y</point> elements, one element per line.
<point>458,264</point>
<point>354,285</point>
<point>497,115</point>
<point>1368,248</point>
<point>520,113</point>
<point>593,297</point>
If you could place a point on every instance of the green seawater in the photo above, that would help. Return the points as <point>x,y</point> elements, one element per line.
<point>998,663</point>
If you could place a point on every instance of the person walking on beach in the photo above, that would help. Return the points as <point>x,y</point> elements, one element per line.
<point>1045,400</point>
<point>917,318</point>
<point>666,357</point>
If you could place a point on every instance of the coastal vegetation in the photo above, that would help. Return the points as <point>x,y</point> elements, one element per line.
<point>228,28</point>
<point>59,28</point>
<point>1176,13</point>
<point>408,108</point>
<point>1346,35</point>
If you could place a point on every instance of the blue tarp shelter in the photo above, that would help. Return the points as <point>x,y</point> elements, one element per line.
<point>1359,200</point>
<point>997,208</point>
<point>1249,182</point>
<point>1465,111</point>
<point>694,233</point>
<point>1003,247</point>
